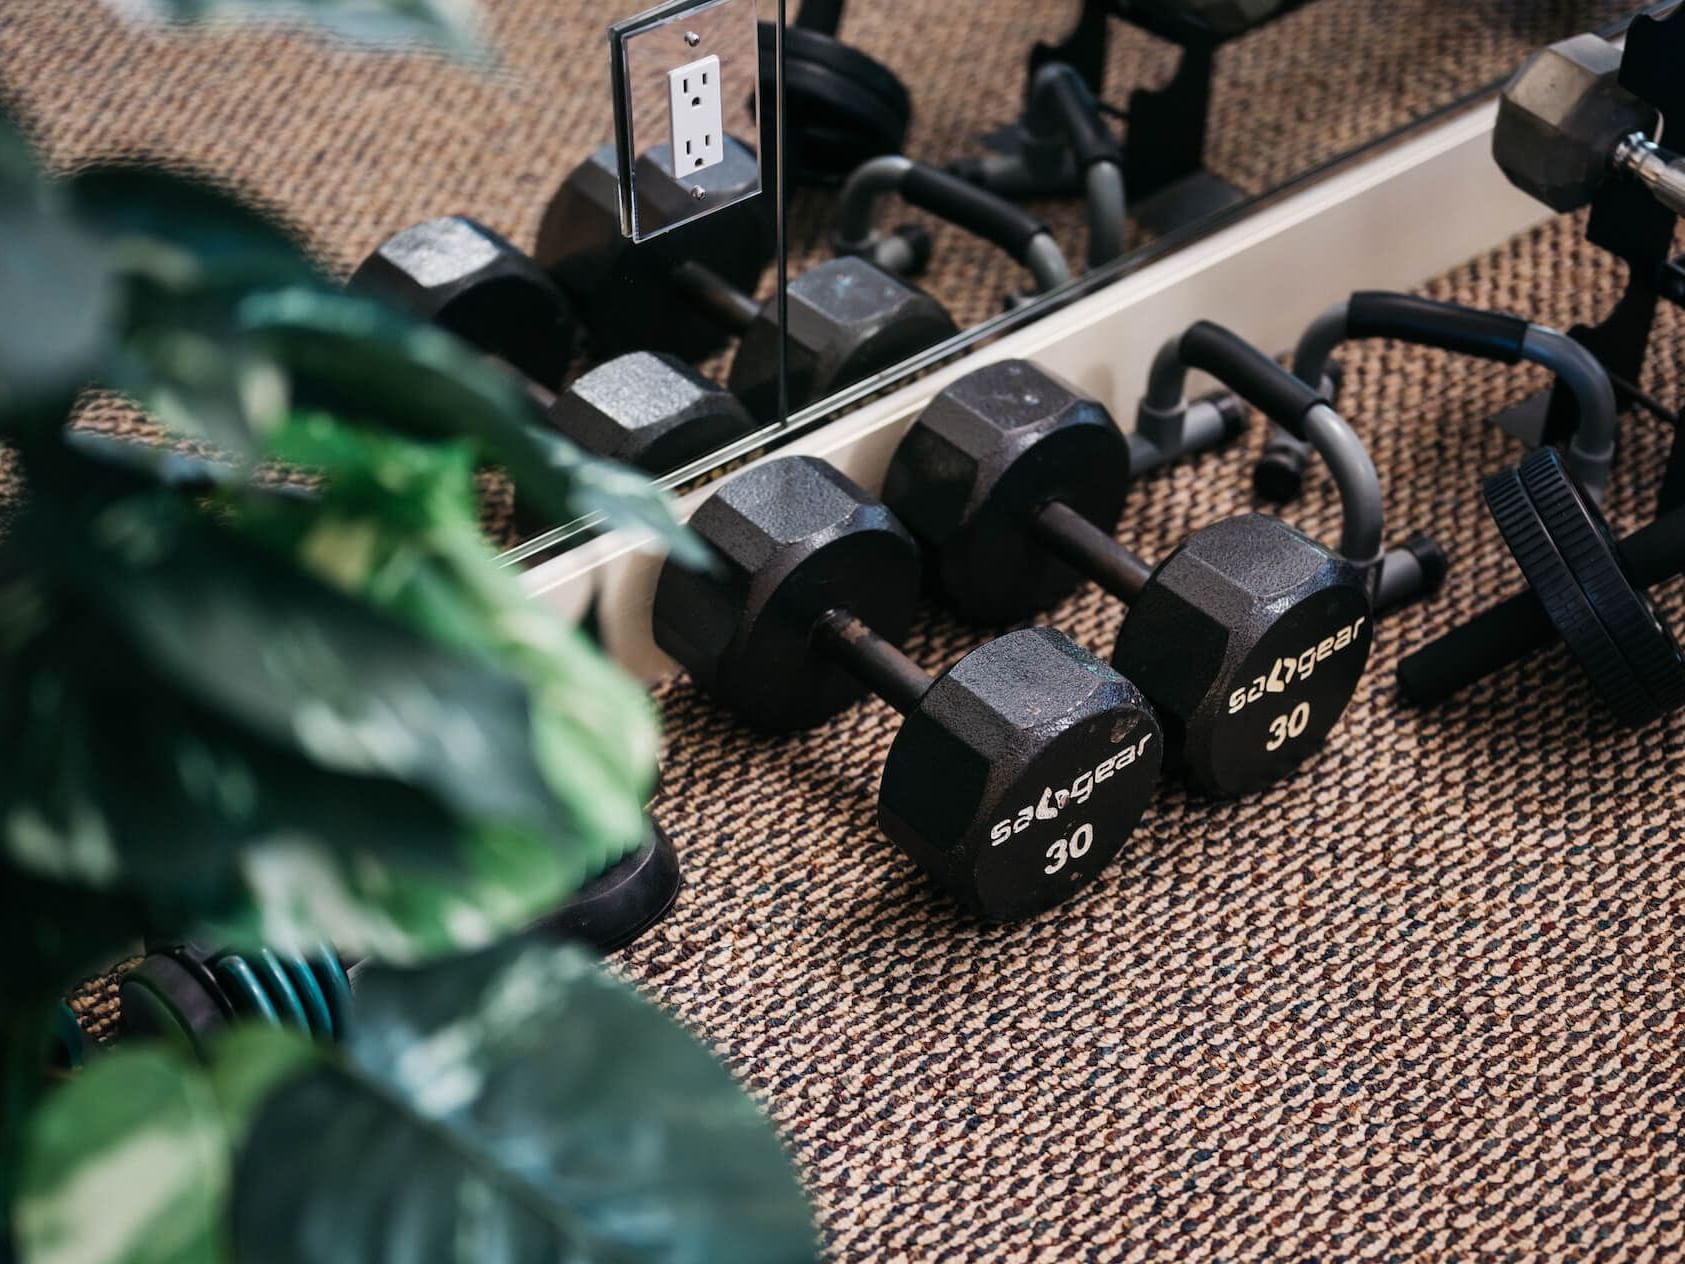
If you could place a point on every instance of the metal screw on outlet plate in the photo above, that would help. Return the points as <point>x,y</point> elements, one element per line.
<point>699,194</point>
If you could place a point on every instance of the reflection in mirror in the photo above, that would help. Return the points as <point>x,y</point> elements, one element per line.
<point>979,154</point>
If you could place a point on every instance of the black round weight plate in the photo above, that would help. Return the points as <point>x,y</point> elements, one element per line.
<point>848,64</point>
<point>162,997</point>
<point>1561,597</point>
<point>1588,546</point>
<point>843,106</point>
<point>624,901</point>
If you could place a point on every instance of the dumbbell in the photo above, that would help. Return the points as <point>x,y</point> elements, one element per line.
<point>841,106</point>
<point>647,409</point>
<point>189,992</point>
<point>623,291</point>
<point>1022,235</point>
<point>1585,589</point>
<point>1249,639</point>
<point>854,316</point>
<point>1279,474</point>
<point>846,320</point>
<point>1566,127</point>
<point>1017,773</point>
<point>1062,141</point>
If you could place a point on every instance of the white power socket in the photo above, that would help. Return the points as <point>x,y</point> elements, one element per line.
<point>693,97</point>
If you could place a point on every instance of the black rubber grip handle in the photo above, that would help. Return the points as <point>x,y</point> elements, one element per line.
<point>976,210</point>
<point>1251,374</point>
<point>1487,643</point>
<point>1070,102</point>
<point>1428,323</point>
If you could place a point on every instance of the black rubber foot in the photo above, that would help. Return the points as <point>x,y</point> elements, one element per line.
<point>619,905</point>
<point>1278,477</point>
<point>1431,558</point>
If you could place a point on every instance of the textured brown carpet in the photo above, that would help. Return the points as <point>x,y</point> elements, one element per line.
<point>1423,1002</point>
<point>1420,1003</point>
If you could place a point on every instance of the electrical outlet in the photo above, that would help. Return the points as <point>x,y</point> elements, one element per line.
<point>693,97</point>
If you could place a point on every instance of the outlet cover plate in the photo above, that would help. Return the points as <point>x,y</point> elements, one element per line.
<point>646,51</point>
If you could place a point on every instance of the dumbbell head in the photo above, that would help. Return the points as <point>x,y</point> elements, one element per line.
<point>1560,119</point>
<point>650,410</point>
<point>1021,773</point>
<point>792,540</point>
<point>460,275</point>
<point>1251,638</point>
<point>1573,565</point>
<point>846,320</point>
<point>622,289</point>
<point>982,457</point>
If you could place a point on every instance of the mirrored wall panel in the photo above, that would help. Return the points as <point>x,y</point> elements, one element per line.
<point>966,160</point>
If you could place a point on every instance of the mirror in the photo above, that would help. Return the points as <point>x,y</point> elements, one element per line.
<point>1124,127</point>
<point>355,147</point>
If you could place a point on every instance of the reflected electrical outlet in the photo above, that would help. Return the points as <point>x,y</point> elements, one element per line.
<point>687,83</point>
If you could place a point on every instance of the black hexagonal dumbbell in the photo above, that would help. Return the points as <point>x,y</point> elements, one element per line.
<point>624,290</point>
<point>689,292</point>
<point>1566,127</point>
<point>1585,589</point>
<point>1249,638</point>
<point>1018,772</point>
<point>647,409</point>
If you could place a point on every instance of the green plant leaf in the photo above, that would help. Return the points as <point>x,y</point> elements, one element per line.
<point>183,255</point>
<point>194,720</point>
<point>448,24</point>
<point>513,1105</point>
<point>361,361</point>
<point>275,651</point>
<point>55,294</point>
<point>396,524</point>
<point>127,1163</point>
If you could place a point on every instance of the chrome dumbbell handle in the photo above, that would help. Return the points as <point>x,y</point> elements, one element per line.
<point>1661,172</point>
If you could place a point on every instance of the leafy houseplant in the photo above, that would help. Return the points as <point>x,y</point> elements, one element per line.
<point>262,715</point>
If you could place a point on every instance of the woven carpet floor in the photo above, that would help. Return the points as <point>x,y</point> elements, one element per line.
<point>1422,1002</point>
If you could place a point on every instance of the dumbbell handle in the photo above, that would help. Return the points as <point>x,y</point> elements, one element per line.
<point>719,298</point>
<point>1511,630</point>
<point>1090,551</point>
<point>1408,573</point>
<point>1661,172</point>
<point>874,661</point>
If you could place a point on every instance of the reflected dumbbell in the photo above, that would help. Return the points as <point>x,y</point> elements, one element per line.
<point>1249,639</point>
<point>647,409</point>
<point>1017,774</point>
<point>1279,474</point>
<point>1566,128</point>
<point>1585,589</point>
<point>623,291</point>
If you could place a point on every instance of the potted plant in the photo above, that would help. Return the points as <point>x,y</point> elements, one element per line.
<point>270,717</point>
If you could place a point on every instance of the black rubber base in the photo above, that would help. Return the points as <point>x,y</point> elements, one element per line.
<point>619,905</point>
